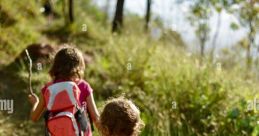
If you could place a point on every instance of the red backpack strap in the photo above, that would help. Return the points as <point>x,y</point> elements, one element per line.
<point>63,124</point>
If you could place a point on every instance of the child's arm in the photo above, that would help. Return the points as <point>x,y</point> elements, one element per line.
<point>92,109</point>
<point>37,108</point>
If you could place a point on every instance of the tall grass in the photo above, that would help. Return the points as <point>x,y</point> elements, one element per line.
<point>155,74</point>
<point>208,101</point>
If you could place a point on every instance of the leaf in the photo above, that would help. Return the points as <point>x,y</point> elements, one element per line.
<point>256,131</point>
<point>234,26</point>
<point>234,113</point>
<point>218,9</point>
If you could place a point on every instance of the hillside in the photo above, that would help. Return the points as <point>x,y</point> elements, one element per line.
<point>177,95</point>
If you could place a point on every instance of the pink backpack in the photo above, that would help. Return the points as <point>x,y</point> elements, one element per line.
<point>62,101</point>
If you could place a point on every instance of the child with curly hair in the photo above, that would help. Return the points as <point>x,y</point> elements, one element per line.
<point>120,117</point>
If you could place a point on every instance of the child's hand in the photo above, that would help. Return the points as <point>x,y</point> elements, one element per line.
<point>33,98</point>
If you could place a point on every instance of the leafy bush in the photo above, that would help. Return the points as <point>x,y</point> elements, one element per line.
<point>209,100</point>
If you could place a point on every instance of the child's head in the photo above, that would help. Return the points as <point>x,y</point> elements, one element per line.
<point>68,64</point>
<point>120,117</point>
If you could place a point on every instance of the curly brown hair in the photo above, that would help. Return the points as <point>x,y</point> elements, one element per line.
<point>68,64</point>
<point>120,117</point>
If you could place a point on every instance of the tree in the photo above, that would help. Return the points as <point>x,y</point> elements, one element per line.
<point>70,11</point>
<point>247,13</point>
<point>199,18</point>
<point>215,36</point>
<point>106,10</point>
<point>218,6</point>
<point>118,18</point>
<point>148,14</point>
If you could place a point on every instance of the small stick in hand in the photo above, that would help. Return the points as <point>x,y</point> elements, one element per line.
<point>30,70</point>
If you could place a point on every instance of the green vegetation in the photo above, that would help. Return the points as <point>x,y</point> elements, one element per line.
<point>210,99</point>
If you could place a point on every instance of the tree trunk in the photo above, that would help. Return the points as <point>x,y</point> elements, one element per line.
<point>203,39</point>
<point>106,10</point>
<point>70,11</point>
<point>251,38</point>
<point>202,48</point>
<point>148,14</point>
<point>248,56</point>
<point>215,37</point>
<point>64,9</point>
<point>118,18</point>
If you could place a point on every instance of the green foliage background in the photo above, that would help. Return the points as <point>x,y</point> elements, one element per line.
<point>211,100</point>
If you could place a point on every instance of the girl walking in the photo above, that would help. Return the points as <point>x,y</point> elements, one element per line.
<point>65,97</point>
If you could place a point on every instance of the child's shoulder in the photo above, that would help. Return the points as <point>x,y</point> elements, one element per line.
<point>45,86</point>
<point>83,82</point>
<point>84,85</point>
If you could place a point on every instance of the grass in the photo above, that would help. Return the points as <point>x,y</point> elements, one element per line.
<point>211,100</point>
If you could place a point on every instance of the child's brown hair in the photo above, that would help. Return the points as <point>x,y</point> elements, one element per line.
<point>68,64</point>
<point>120,117</point>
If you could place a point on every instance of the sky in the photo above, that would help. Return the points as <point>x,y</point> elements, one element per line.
<point>174,14</point>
